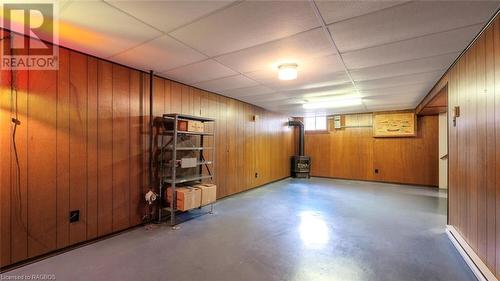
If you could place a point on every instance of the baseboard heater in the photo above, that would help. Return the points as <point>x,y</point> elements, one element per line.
<point>480,270</point>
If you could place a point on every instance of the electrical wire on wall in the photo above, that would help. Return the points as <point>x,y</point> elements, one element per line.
<point>14,109</point>
<point>15,120</point>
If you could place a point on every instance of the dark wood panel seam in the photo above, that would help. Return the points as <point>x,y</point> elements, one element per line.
<point>87,152</point>
<point>97,144</point>
<point>129,142</point>
<point>27,166</point>
<point>69,145</point>
<point>57,157</point>
<point>112,145</point>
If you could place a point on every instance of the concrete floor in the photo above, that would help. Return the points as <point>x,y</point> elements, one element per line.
<point>319,229</point>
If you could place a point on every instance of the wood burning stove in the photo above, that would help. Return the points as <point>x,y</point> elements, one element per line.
<point>300,164</point>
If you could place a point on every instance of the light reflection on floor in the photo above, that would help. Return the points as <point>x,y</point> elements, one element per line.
<point>313,230</point>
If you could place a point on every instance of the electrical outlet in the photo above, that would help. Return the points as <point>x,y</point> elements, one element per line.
<point>74,216</point>
<point>376,171</point>
<point>256,175</point>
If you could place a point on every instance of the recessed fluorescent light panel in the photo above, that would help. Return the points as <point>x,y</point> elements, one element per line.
<point>287,71</point>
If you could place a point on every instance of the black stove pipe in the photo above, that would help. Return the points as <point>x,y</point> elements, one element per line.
<point>151,128</point>
<point>298,123</point>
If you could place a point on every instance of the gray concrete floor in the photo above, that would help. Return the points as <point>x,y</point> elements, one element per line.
<point>318,229</point>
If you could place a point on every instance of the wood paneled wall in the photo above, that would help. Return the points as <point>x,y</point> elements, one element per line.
<point>82,144</point>
<point>353,153</point>
<point>474,146</point>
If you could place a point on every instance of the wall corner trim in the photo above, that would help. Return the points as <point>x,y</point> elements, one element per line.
<point>478,267</point>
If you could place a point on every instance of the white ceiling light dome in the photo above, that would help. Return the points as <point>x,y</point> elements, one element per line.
<point>287,71</point>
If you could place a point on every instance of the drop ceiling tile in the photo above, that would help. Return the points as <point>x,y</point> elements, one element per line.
<point>306,82</point>
<point>279,101</point>
<point>200,71</point>
<point>427,46</point>
<point>168,15</point>
<point>346,110</point>
<point>440,62</point>
<point>290,113</point>
<point>339,89</point>
<point>159,54</point>
<point>386,107</point>
<point>410,20</point>
<point>285,99</point>
<point>248,91</point>
<point>86,26</point>
<point>317,72</point>
<point>299,111</point>
<point>247,24</point>
<point>298,96</point>
<point>63,4</point>
<point>226,83</point>
<point>279,108</point>
<point>296,104</point>
<point>294,49</point>
<point>417,89</point>
<point>428,77</point>
<point>403,98</point>
<point>335,11</point>
<point>264,98</point>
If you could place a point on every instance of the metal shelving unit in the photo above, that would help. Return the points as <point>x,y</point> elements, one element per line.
<point>169,149</point>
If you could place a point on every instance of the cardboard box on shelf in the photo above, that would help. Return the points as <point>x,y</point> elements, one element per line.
<point>201,127</point>
<point>208,193</point>
<point>186,126</point>
<point>182,125</point>
<point>187,197</point>
<point>195,126</point>
<point>189,162</point>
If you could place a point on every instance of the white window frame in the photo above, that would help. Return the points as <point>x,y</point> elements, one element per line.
<point>309,129</point>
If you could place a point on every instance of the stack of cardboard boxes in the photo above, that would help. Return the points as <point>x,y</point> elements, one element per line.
<point>208,193</point>
<point>190,197</point>
<point>190,126</point>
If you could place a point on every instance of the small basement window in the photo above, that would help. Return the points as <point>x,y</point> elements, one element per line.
<point>316,123</point>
